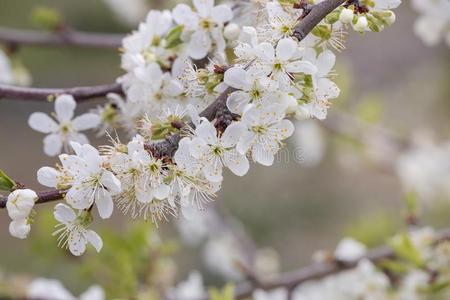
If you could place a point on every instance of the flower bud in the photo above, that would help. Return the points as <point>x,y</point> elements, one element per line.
<point>231,32</point>
<point>391,18</point>
<point>20,203</point>
<point>19,228</point>
<point>361,24</point>
<point>346,16</point>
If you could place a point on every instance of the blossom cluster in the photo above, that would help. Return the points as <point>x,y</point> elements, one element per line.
<point>433,24</point>
<point>256,74</point>
<point>419,273</point>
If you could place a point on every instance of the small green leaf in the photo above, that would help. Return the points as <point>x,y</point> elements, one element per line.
<point>46,18</point>
<point>404,248</point>
<point>6,183</point>
<point>333,17</point>
<point>227,293</point>
<point>394,266</point>
<point>174,37</point>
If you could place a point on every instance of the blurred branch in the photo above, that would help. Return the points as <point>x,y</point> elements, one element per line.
<point>290,280</point>
<point>42,94</point>
<point>17,37</point>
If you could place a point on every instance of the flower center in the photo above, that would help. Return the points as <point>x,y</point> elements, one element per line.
<point>206,24</point>
<point>259,129</point>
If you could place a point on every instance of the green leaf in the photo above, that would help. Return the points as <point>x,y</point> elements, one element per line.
<point>227,293</point>
<point>174,37</point>
<point>332,17</point>
<point>6,183</point>
<point>404,248</point>
<point>46,18</point>
<point>394,266</point>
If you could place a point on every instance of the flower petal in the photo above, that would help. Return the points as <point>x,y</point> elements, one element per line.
<point>19,228</point>
<point>301,67</point>
<point>111,182</point>
<point>52,144</point>
<point>86,121</point>
<point>183,14</point>
<point>222,13</point>
<point>95,240</point>
<point>199,44</point>
<point>237,163</point>
<point>232,134</point>
<point>64,108</point>
<point>64,214</point>
<point>236,77</point>
<point>204,7</point>
<point>42,122</point>
<point>105,205</point>
<point>48,176</point>
<point>77,242</point>
<point>286,49</point>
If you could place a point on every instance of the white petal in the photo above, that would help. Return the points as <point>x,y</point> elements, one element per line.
<point>111,182</point>
<point>95,292</point>
<point>52,144</point>
<point>162,191</point>
<point>105,205</point>
<point>182,14</point>
<point>301,67</point>
<point>64,214</point>
<point>236,77</point>
<point>237,101</point>
<point>237,163</point>
<point>204,7</point>
<point>327,89</point>
<point>325,62</point>
<point>86,121</point>
<point>232,134</point>
<point>64,107</point>
<point>261,155</point>
<point>19,228</point>
<point>265,52</point>
<point>48,176</point>
<point>79,197</point>
<point>95,240</point>
<point>213,171</point>
<point>42,122</point>
<point>199,44</point>
<point>222,13</point>
<point>77,243</point>
<point>207,132</point>
<point>245,142</point>
<point>283,129</point>
<point>286,49</point>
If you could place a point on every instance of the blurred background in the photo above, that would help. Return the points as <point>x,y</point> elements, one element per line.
<point>339,187</point>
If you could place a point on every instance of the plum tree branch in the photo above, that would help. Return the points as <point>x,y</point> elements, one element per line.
<point>63,38</point>
<point>81,93</point>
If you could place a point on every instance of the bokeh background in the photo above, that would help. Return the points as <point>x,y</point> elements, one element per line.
<point>389,78</point>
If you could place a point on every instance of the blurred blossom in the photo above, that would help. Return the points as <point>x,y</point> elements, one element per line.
<point>267,262</point>
<point>433,24</point>
<point>42,288</point>
<point>190,289</point>
<point>349,250</point>
<point>425,169</point>
<point>130,12</point>
<point>198,227</point>
<point>6,73</point>
<point>308,136</point>
<point>277,294</point>
<point>222,255</point>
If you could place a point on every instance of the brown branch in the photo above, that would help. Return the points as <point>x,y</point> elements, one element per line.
<point>63,38</point>
<point>43,197</point>
<point>81,93</point>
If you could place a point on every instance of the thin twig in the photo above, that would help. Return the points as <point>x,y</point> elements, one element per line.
<point>81,93</point>
<point>63,38</point>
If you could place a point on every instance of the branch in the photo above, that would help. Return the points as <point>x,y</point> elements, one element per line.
<point>63,38</point>
<point>81,93</point>
<point>43,197</point>
<point>315,271</point>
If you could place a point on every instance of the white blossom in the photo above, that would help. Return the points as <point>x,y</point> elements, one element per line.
<point>205,25</point>
<point>266,128</point>
<point>67,129</point>
<point>73,230</point>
